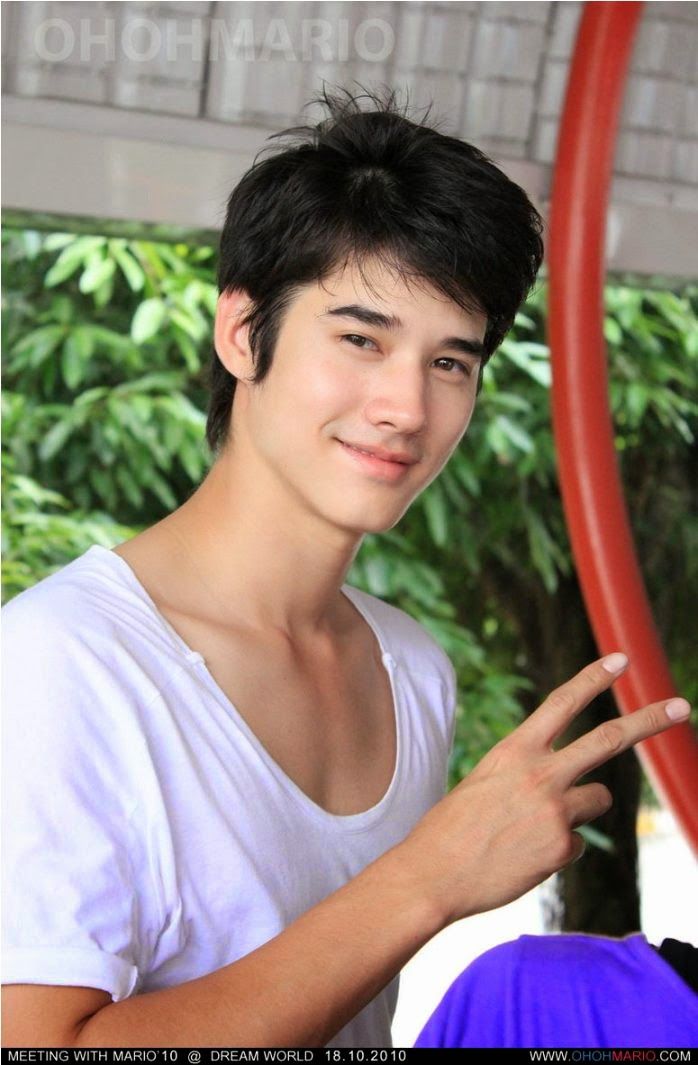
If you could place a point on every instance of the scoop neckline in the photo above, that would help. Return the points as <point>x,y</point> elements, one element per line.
<point>351,822</point>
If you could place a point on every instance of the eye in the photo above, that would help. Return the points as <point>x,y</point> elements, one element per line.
<point>353,337</point>
<point>464,368</point>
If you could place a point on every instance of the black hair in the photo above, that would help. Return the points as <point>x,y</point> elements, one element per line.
<point>371,184</point>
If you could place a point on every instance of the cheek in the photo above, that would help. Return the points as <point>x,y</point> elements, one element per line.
<point>464,422</point>
<point>452,423</point>
<point>329,391</point>
<point>310,400</point>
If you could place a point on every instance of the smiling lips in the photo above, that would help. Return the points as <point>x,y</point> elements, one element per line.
<point>381,453</point>
<point>390,464</point>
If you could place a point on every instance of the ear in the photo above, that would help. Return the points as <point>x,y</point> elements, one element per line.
<point>231,336</point>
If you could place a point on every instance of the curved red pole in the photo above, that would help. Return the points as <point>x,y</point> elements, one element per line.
<point>592,495</point>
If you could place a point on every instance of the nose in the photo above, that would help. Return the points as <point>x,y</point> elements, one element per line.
<point>399,398</point>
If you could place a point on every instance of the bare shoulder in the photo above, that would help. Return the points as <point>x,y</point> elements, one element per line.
<point>43,1015</point>
<point>406,638</point>
<point>153,557</point>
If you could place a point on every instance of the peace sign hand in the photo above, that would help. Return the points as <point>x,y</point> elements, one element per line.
<point>510,823</point>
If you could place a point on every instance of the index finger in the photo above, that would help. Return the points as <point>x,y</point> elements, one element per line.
<point>564,703</point>
<point>615,736</point>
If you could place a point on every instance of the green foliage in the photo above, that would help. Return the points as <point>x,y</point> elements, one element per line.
<point>106,342</point>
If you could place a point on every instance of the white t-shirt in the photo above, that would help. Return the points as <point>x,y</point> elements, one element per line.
<point>149,838</point>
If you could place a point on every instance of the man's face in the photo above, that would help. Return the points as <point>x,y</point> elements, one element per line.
<point>342,379</point>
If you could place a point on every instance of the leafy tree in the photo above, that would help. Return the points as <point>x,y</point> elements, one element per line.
<point>106,344</point>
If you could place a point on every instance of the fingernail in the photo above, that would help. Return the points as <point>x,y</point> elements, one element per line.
<point>615,662</point>
<point>678,709</point>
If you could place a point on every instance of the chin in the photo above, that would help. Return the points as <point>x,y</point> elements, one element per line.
<point>365,523</point>
<point>364,512</point>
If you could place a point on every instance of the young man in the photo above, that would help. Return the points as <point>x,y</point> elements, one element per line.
<point>226,766</point>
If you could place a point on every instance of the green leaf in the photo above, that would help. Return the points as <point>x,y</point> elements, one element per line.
<point>192,459</point>
<point>71,258</point>
<point>130,268</point>
<point>173,435</point>
<point>637,398</point>
<point>509,401</point>
<point>58,241</point>
<point>76,466</point>
<point>188,323</point>
<point>596,838</point>
<point>55,439</point>
<point>542,553</point>
<point>83,337</point>
<point>147,320</point>
<point>436,511</point>
<point>498,442</point>
<point>38,345</point>
<point>691,342</point>
<point>188,350</point>
<point>102,484</point>
<point>37,494</point>
<point>73,362</point>
<point>518,436</point>
<point>91,397</point>
<point>533,359</point>
<point>612,332</point>
<point>104,292</point>
<point>462,468</point>
<point>100,443</point>
<point>162,490</point>
<point>378,576</point>
<point>98,271</point>
<point>129,486</point>
<point>62,309</point>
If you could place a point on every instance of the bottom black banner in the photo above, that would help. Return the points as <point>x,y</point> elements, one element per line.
<point>329,1055</point>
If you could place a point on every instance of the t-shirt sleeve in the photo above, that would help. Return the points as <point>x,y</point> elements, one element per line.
<point>70,912</point>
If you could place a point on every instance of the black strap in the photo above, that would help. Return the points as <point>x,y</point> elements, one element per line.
<point>683,957</point>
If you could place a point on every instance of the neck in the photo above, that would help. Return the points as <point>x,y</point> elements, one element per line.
<point>270,564</point>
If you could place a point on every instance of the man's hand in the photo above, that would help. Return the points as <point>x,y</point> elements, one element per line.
<point>509,824</point>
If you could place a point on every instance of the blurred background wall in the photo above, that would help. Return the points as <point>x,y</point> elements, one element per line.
<point>152,111</point>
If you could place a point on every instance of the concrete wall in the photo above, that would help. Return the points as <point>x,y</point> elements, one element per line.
<point>152,111</point>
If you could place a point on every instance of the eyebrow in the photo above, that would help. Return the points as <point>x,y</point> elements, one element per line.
<point>371,317</point>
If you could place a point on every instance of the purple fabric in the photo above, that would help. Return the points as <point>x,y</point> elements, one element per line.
<point>566,991</point>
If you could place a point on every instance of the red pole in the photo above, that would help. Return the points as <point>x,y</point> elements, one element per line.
<point>592,496</point>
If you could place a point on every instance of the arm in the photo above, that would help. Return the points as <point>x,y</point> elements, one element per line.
<point>505,828</point>
<point>299,989</point>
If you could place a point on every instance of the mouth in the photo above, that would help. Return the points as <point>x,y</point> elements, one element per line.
<point>392,469</point>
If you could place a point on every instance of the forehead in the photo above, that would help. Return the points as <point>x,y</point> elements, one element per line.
<point>412,300</point>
